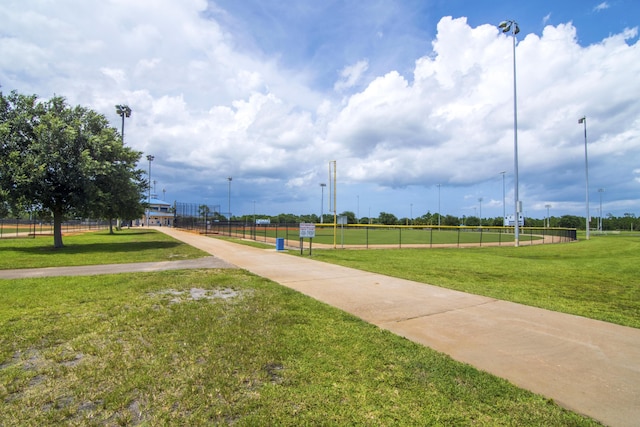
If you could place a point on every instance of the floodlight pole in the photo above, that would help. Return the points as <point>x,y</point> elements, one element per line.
<point>150,158</point>
<point>322,185</point>
<point>335,211</point>
<point>438,205</point>
<point>583,120</point>
<point>512,26</point>
<point>548,217</point>
<point>230,179</point>
<point>600,190</point>
<point>504,207</point>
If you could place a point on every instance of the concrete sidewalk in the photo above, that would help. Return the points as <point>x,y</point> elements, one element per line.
<point>588,366</point>
<point>138,267</point>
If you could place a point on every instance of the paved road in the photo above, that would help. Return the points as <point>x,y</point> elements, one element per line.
<point>588,366</point>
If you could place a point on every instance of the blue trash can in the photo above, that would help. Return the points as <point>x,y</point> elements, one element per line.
<point>279,244</point>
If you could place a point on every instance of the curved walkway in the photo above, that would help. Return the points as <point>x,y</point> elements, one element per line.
<point>588,366</point>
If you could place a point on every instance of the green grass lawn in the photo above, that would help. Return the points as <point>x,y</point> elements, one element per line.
<point>100,247</point>
<point>599,278</point>
<point>137,349</point>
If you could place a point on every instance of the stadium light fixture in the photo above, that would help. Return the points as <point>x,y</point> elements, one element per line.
<point>123,111</point>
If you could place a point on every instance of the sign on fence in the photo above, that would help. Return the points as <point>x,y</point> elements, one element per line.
<point>510,222</point>
<point>307,230</point>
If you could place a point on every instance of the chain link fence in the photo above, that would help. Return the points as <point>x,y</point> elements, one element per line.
<point>14,228</point>
<point>388,236</point>
<point>197,217</point>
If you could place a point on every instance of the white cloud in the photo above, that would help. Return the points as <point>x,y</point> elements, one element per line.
<point>351,75</point>
<point>602,6</point>
<point>454,123</point>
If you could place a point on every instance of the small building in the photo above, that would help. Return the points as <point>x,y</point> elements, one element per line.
<point>159,214</point>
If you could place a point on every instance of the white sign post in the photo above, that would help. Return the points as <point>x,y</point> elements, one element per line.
<point>307,230</point>
<point>342,220</point>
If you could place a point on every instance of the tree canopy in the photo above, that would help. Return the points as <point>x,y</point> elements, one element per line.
<point>66,161</point>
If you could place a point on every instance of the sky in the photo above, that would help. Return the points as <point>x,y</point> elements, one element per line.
<point>412,99</point>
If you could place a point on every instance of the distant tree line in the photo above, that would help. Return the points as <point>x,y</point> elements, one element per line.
<point>61,162</point>
<point>609,223</point>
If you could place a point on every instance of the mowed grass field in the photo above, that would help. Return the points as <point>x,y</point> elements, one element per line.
<point>126,246</point>
<point>598,278</point>
<point>219,347</point>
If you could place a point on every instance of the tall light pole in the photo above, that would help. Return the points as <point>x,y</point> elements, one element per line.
<point>332,189</point>
<point>504,206</point>
<point>480,201</point>
<point>600,190</point>
<point>150,158</point>
<point>322,185</point>
<point>583,120</point>
<point>548,217</point>
<point>512,26</point>
<point>229,179</point>
<point>438,205</point>
<point>123,111</point>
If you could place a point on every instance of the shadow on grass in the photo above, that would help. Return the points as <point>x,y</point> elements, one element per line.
<point>93,248</point>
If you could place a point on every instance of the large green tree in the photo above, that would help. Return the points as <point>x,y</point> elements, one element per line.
<point>571,221</point>
<point>387,218</point>
<point>66,161</point>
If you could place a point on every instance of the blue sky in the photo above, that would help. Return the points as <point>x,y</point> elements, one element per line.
<point>412,99</point>
<point>323,36</point>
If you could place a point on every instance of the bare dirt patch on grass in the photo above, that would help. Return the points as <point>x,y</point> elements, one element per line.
<point>195,294</point>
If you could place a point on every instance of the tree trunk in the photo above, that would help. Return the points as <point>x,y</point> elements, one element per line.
<point>110,225</point>
<point>57,230</point>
